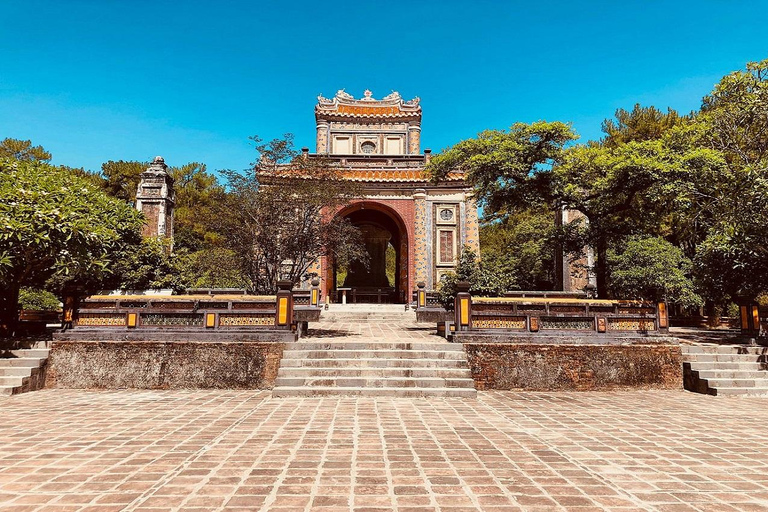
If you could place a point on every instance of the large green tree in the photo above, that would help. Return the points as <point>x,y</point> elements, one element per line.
<point>508,169</point>
<point>55,224</point>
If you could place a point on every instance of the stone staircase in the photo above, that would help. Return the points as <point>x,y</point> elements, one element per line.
<point>374,368</point>
<point>23,371</point>
<point>726,369</point>
<point>368,313</point>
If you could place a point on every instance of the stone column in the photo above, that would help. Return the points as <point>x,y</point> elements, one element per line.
<point>322,136</point>
<point>421,238</point>
<point>414,138</point>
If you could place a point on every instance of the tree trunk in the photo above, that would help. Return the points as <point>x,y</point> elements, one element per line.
<point>601,268</point>
<point>9,310</point>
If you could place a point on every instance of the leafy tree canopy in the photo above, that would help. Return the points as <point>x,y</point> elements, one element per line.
<point>507,169</point>
<point>653,269</point>
<point>53,223</point>
<point>23,150</point>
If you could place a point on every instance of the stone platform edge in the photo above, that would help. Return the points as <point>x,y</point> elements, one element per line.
<point>85,364</point>
<point>577,367</point>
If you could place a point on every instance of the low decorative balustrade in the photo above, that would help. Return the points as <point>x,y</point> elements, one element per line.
<point>557,314</point>
<point>187,312</point>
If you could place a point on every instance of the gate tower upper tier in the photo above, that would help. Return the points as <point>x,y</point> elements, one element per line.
<point>367,126</point>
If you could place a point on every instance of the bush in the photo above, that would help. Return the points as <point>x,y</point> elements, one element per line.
<point>38,300</point>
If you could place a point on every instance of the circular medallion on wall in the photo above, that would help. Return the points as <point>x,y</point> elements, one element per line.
<point>368,147</point>
<point>446,214</point>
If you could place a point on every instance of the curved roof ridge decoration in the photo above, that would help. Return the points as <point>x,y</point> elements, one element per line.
<point>344,104</point>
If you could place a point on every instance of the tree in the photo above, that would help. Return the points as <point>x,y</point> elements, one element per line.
<point>23,150</point>
<point>652,269</point>
<point>508,170</point>
<point>279,218</point>
<point>197,192</point>
<point>485,280</point>
<point>640,124</point>
<point>53,223</point>
<point>122,178</point>
<point>522,246</point>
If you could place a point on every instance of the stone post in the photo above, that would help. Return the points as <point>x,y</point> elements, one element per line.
<point>314,293</point>
<point>284,305</point>
<point>662,313</point>
<point>462,307</point>
<point>421,295</point>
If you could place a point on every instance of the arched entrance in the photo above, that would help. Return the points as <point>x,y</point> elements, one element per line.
<point>386,239</point>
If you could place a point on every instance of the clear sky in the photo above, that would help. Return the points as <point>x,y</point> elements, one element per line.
<point>98,80</point>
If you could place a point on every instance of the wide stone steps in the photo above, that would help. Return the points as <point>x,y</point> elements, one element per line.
<point>374,368</point>
<point>726,369</point>
<point>373,392</point>
<point>22,370</point>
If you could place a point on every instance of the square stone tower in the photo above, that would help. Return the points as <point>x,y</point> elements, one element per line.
<point>155,199</point>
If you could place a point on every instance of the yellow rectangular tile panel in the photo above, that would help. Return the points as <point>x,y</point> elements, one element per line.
<point>282,311</point>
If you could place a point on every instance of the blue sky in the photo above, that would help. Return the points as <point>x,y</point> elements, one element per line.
<point>98,80</point>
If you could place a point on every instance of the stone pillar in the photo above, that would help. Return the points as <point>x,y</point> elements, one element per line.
<point>322,137</point>
<point>155,199</point>
<point>471,225</point>
<point>422,267</point>
<point>414,138</point>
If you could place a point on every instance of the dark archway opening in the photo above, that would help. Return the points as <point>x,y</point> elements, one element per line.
<point>385,278</point>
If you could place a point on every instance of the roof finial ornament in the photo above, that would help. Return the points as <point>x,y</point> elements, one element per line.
<point>368,95</point>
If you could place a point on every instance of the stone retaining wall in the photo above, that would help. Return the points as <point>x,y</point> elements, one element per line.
<point>574,367</point>
<point>163,364</point>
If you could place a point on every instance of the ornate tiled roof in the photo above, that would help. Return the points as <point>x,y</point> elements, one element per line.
<point>345,105</point>
<point>369,175</point>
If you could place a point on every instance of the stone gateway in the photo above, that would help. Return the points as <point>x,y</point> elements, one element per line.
<point>418,226</point>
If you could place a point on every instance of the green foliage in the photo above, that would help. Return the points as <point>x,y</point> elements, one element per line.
<point>122,178</point>
<point>522,247</point>
<point>507,169</point>
<point>23,150</point>
<point>197,193</point>
<point>213,268</point>
<point>152,266</point>
<point>54,224</point>
<point>38,300</point>
<point>640,124</point>
<point>484,280</point>
<point>652,269</point>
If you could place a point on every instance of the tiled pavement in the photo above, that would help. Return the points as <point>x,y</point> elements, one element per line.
<point>236,450</point>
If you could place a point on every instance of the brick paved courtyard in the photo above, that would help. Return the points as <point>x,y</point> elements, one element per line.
<point>225,450</point>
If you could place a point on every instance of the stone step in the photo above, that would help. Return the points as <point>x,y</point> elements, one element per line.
<point>738,383</point>
<point>726,358</point>
<point>16,371</point>
<point>301,391</point>
<point>723,349</point>
<point>370,373</point>
<point>41,353</point>
<point>752,391</point>
<point>7,390</point>
<point>11,381</point>
<point>716,365</point>
<point>374,345</point>
<point>28,362</point>
<point>386,382</point>
<point>376,362</point>
<point>370,354</point>
<point>717,373</point>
